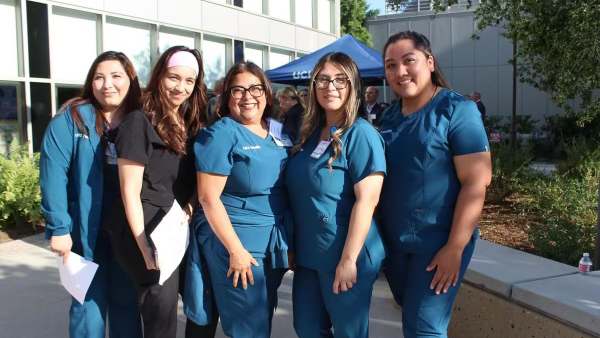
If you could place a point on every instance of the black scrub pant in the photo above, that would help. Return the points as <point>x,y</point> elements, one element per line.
<point>156,303</point>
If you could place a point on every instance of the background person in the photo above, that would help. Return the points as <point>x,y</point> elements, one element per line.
<point>151,145</point>
<point>373,109</point>
<point>240,229</point>
<point>74,149</point>
<point>439,165</point>
<point>292,107</point>
<point>333,192</point>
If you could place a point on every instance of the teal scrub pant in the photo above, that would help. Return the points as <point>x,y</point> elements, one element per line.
<point>424,314</point>
<point>111,292</point>
<point>244,313</point>
<point>317,308</point>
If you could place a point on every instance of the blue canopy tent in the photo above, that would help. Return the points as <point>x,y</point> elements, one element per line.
<point>298,72</point>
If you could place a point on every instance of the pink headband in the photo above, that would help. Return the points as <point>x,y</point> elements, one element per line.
<point>183,58</point>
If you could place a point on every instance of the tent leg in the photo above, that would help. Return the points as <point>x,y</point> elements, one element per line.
<point>384,92</point>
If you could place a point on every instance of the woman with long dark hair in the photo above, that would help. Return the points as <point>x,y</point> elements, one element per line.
<point>439,165</point>
<point>334,178</point>
<point>153,147</point>
<point>79,184</point>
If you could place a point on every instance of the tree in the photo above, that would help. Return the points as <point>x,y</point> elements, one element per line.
<point>352,19</point>
<point>558,45</point>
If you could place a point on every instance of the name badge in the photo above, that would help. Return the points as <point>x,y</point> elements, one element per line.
<point>111,154</point>
<point>320,149</point>
<point>276,131</point>
<point>372,117</point>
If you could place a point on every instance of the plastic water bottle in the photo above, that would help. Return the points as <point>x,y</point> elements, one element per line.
<point>585,264</point>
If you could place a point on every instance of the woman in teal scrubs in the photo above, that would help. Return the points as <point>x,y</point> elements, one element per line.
<point>334,179</point>
<point>439,166</point>
<point>79,185</point>
<point>239,227</point>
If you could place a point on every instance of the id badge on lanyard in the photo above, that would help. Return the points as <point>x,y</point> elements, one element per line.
<point>276,131</point>
<point>322,146</point>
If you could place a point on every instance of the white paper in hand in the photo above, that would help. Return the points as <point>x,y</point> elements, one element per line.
<point>76,276</point>
<point>171,238</point>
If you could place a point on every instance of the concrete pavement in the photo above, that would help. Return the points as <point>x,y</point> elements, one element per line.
<point>33,303</point>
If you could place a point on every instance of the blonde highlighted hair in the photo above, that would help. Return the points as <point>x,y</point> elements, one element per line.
<point>354,107</point>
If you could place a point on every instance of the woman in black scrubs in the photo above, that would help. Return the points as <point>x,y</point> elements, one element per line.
<point>151,147</point>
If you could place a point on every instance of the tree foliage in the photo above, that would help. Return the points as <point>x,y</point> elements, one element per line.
<point>558,45</point>
<point>352,19</point>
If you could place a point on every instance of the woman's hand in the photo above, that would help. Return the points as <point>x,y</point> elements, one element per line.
<point>62,246</point>
<point>187,213</point>
<point>447,261</point>
<point>345,275</point>
<point>239,266</point>
<point>149,259</point>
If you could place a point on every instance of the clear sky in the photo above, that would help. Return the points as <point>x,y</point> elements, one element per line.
<point>377,4</point>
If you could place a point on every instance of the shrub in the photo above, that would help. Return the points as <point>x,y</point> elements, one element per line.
<point>510,168</point>
<point>19,188</point>
<point>581,158</point>
<point>567,209</point>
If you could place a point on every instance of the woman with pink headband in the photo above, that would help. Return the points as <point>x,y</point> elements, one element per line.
<point>156,166</point>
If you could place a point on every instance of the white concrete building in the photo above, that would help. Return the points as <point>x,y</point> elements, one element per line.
<point>48,46</point>
<point>469,65</point>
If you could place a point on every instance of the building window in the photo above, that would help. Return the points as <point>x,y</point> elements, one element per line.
<point>214,56</point>
<point>41,111</point>
<point>279,57</point>
<point>133,39</point>
<point>303,13</point>
<point>280,9</point>
<point>169,37</point>
<point>254,5</point>
<point>66,92</point>
<point>71,62</point>
<point>324,7</point>
<point>37,39</point>
<point>256,54</point>
<point>12,114</point>
<point>9,57</point>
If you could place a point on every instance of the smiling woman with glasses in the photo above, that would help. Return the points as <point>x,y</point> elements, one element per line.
<point>333,179</point>
<point>240,231</point>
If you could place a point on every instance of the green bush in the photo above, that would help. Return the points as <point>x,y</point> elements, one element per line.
<point>581,158</point>
<point>19,187</point>
<point>567,210</point>
<point>510,169</point>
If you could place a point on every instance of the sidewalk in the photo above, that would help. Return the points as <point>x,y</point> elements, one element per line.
<point>33,304</point>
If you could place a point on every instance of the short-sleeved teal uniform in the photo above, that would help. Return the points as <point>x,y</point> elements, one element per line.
<point>418,199</point>
<point>321,201</point>
<point>256,203</point>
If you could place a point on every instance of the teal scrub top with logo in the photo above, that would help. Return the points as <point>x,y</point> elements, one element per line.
<point>421,188</point>
<point>321,200</point>
<point>254,196</point>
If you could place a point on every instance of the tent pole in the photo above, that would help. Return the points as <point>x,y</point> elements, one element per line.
<point>384,92</point>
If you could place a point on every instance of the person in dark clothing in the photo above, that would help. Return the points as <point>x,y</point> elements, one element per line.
<point>211,105</point>
<point>292,107</point>
<point>373,109</point>
<point>475,96</point>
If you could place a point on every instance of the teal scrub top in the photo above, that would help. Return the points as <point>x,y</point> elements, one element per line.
<point>321,200</point>
<point>254,196</point>
<point>420,191</point>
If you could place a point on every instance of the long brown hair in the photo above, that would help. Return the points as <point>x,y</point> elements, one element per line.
<point>314,117</point>
<point>238,68</point>
<point>175,129</point>
<point>131,101</point>
<point>421,44</point>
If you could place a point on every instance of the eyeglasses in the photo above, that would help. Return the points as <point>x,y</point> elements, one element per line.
<point>238,92</point>
<point>338,82</point>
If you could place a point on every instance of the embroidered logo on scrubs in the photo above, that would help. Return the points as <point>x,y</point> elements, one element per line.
<point>81,135</point>
<point>487,148</point>
<point>251,147</point>
<point>385,131</point>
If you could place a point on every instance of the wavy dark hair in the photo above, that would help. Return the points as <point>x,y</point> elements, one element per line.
<point>354,107</point>
<point>173,129</point>
<point>238,68</point>
<point>423,45</point>
<point>130,103</point>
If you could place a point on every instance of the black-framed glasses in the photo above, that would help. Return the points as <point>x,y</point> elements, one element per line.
<point>238,92</point>
<point>338,82</point>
